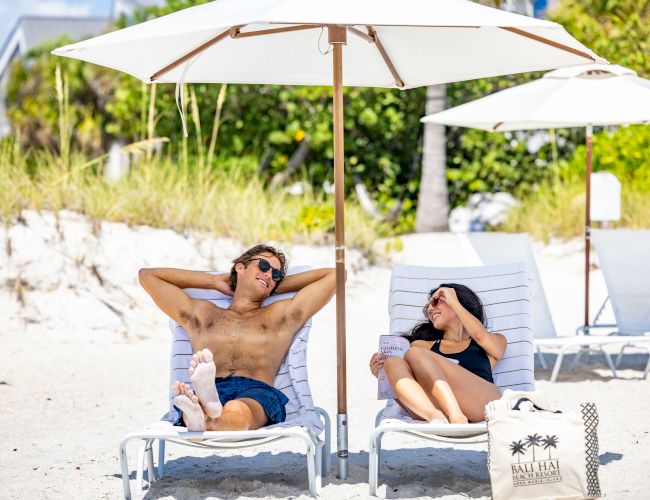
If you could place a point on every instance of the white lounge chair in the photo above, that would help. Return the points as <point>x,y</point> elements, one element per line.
<point>304,421</point>
<point>505,292</point>
<point>624,256</point>
<point>497,248</point>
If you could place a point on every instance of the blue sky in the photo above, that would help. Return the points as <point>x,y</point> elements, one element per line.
<point>10,10</point>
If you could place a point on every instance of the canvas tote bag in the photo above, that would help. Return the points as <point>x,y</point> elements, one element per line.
<point>535,453</point>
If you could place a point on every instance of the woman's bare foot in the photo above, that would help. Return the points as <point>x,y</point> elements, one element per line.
<point>202,374</point>
<point>188,403</point>
<point>439,420</point>
<point>458,419</point>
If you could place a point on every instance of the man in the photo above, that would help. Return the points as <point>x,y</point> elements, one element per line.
<point>238,351</point>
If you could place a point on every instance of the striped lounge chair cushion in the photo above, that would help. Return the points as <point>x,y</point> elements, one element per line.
<point>505,293</point>
<point>291,378</point>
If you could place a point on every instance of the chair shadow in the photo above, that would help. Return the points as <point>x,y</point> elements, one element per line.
<point>431,472</point>
<point>267,474</point>
<point>406,473</point>
<point>586,368</point>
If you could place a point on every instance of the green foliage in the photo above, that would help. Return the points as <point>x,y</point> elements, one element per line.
<point>267,124</point>
<point>623,152</point>
<point>32,99</point>
<point>618,30</point>
<point>382,129</point>
<point>557,207</point>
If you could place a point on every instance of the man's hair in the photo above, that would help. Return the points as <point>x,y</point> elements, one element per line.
<point>249,255</point>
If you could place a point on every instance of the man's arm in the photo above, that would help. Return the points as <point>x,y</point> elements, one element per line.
<point>314,290</point>
<point>165,286</point>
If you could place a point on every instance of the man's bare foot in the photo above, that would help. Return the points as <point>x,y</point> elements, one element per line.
<point>188,403</point>
<point>202,373</point>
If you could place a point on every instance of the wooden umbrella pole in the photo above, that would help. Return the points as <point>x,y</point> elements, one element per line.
<point>588,141</point>
<point>337,38</point>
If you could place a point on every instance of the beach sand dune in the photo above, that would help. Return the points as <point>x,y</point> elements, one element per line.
<point>84,360</point>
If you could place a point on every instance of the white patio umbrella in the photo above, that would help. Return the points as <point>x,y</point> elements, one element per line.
<point>394,44</point>
<point>581,96</point>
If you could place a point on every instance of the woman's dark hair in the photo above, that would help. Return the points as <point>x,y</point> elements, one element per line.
<point>467,298</point>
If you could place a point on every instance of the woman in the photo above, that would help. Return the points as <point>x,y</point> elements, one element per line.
<point>446,375</point>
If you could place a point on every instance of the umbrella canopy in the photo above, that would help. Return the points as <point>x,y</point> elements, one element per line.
<point>596,94</point>
<point>581,96</point>
<point>427,42</point>
<point>388,43</point>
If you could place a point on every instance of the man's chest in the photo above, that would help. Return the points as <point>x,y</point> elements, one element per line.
<point>230,329</point>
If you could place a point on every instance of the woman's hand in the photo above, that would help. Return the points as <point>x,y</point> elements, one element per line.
<point>222,284</point>
<point>376,363</point>
<point>447,295</point>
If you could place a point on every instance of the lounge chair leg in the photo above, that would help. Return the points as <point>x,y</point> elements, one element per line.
<point>318,456</point>
<point>312,468</point>
<point>125,470</point>
<point>576,360</point>
<point>619,358</point>
<point>542,359</point>
<point>556,368</point>
<point>151,473</point>
<point>140,467</point>
<point>608,358</point>
<point>327,445</point>
<point>161,457</point>
<point>374,449</point>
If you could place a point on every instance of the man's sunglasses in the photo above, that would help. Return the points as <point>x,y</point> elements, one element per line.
<point>264,266</point>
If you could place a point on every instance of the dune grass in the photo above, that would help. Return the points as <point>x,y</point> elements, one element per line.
<point>227,200</point>
<point>557,209</point>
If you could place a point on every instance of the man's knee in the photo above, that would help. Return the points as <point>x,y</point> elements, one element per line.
<point>239,412</point>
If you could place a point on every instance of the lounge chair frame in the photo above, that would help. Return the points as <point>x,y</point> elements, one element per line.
<point>317,452</point>
<point>306,428</point>
<point>496,248</point>
<point>516,375</point>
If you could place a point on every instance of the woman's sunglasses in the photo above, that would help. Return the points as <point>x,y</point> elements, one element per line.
<point>264,266</point>
<point>435,301</point>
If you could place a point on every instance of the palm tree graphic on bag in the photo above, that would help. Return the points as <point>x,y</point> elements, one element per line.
<point>533,440</point>
<point>518,448</point>
<point>550,442</point>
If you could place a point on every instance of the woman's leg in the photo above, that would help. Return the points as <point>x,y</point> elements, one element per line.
<point>432,380</point>
<point>452,385</point>
<point>409,393</point>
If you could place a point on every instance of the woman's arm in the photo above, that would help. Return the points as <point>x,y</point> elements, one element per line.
<point>494,344</point>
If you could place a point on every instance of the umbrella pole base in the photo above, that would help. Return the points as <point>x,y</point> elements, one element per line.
<point>342,446</point>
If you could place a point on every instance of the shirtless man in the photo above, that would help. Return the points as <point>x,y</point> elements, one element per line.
<point>238,351</point>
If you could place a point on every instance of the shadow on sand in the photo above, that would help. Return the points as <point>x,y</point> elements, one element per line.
<point>592,367</point>
<point>404,473</point>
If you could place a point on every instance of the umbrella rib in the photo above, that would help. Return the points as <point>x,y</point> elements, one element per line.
<point>557,45</point>
<point>239,34</point>
<point>371,37</point>
<point>196,51</point>
<point>234,32</point>
<point>361,34</point>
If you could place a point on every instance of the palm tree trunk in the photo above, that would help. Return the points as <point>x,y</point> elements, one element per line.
<point>433,206</point>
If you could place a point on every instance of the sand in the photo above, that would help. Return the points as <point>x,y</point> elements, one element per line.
<point>84,360</point>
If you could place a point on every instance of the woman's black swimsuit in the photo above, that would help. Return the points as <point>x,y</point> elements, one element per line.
<point>473,359</point>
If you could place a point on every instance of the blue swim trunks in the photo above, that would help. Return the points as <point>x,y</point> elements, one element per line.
<point>271,399</point>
